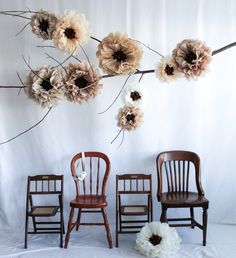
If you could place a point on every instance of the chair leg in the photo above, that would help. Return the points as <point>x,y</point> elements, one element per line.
<point>204,219</point>
<point>69,227</point>
<point>26,230</point>
<point>163,215</point>
<point>192,217</point>
<point>117,234</point>
<point>78,219</point>
<point>109,239</point>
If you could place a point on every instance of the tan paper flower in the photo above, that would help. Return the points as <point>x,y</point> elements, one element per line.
<point>82,82</point>
<point>129,118</point>
<point>192,57</point>
<point>119,54</point>
<point>166,70</point>
<point>71,31</point>
<point>43,24</point>
<point>45,86</point>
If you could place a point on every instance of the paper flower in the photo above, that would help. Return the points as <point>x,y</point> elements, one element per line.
<point>43,24</point>
<point>45,86</point>
<point>119,54</point>
<point>82,82</point>
<point>134,96</point>
<point>158,240</point>
<point>192,57</point>
<point>71,31</point>
<point>166,70</point>
<point>129,118</point>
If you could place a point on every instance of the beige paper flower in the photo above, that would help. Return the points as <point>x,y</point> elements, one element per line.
<point>71,31</point>
<point>43,24</point>
<point>192,57</point>
<point>129,118</point>
<point>119,54</point>
<point>82,82</point>
<point>166,70</point>
<point>45,86</point>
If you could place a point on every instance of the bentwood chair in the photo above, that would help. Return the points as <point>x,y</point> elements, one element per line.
<point>90,190</point>
<point>178,167</point>
<point>43,187</point>
<point>128,215</point>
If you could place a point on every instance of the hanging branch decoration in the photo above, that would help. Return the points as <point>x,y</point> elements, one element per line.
<point>118,55</point>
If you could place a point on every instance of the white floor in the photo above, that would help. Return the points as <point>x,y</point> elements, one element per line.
<point>90,242</point>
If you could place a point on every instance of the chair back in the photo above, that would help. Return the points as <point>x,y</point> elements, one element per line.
<point>134,184</point>
<point>97,167</point>
<point>176,166</point>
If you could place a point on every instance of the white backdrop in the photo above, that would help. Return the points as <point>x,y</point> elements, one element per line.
<point>191,115</point>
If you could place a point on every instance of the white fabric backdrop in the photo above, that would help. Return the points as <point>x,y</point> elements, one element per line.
<point>191,115</point>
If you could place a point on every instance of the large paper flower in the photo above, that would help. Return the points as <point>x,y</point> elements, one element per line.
<point>82,82</point>
<point>166,70</point>
<point>192,57</point>
<point>129,118</point>
<point>119,54</point>
<point>134,96</point>
<point>71,31</point>
<point>158,240</point>
<point>43,24</point>
<point>45,86</point>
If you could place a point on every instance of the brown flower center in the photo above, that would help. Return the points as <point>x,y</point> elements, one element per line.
<point>155,240</point>
<point>43,25</point>
<point>70,33</point>
<point>130,117</point>
<point>135,95</point>
<point>169,70</point>
<point>119,56</point>
<point>80,82</point>
<point>190,56</point>
<point>46,84</point>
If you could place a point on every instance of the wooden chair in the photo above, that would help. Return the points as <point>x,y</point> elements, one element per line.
<point>44,185</point>
<point>177,167</point>
<point>90,192</point>
<point>134,184</point>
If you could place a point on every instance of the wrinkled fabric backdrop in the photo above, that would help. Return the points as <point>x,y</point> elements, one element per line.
<point>191,115</point>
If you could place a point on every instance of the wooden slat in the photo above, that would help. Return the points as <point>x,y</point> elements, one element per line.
<point>179,176</point>
<point>187,176</point>
<point>167,177</point>
<point>98,168</point>
<point>91,175</point>
<point>175,173</point>
<point>183,175</point>
<point>171,177</point>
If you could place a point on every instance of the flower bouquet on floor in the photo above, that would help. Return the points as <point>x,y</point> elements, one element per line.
<point>158,240</point>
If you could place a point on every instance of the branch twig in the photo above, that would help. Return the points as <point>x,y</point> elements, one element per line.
<point>223,48</point>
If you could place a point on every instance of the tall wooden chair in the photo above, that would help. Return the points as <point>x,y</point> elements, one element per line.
<point>90,190</point>
<point>44,185</point>
<point>132,184</point>
<point>177,167</point>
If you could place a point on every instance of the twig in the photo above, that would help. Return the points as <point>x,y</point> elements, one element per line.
<point>46,46</point>
<point>98,40</point>
<point>30,128</point>
<point>137,72</point>
<point>59,64</point>
<point>117,135</point>
<point>122,140</point>
<point>22,29</point>
<point>87,59</point>
<point>153,50</point>
<point>141,77</point>
<point>11,87</point>
<point>116,96</point>
<point>223,48</point>
<point>15,15</point>
<point>18,75</point>
<point>68,57</point>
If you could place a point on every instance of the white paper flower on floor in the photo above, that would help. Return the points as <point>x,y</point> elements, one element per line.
<point>134,96</point>
<point>157,239</point>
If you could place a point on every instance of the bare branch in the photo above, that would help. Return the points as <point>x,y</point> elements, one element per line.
<point>223,48</point>
<point>117,135</point>
<point>22,29</point>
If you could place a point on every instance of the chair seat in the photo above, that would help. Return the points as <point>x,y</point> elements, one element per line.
<point>183,199</point>
<point>134,210</point>
<point>89,201</point>
<point>41,211</point>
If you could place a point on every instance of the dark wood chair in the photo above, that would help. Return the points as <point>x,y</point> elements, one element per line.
<point>134,184</point>
<point>90,192</point>
<point>177,167</point>
<point>44,185</point>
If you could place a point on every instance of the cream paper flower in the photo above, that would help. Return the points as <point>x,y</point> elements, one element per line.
<point>45,86</point>
<point>192,57</point>
<point>71,31</point>
<point>166,70</point>
<point>129,118</point>
<point>158,240</point>
<point>82,82</point>
<point>43,24</point>
<point>119,54</point>
<point>134,96</point>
